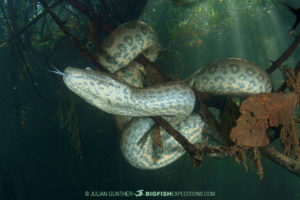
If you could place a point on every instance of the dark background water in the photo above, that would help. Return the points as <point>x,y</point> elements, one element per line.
<point>38,159</point>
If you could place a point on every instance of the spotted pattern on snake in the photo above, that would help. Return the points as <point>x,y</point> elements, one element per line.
<point>111,94</point>
<point>127,42</point>
<point>231,76</point>
<point>174,101</point>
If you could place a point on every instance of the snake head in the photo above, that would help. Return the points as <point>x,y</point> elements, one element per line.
<point>105,91</point>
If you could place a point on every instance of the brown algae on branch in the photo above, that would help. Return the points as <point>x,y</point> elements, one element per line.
<point>260,112</point>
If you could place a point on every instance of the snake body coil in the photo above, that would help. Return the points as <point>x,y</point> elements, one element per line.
<point>231,76</point>
<point>112,95</point>
<point>174,101</point>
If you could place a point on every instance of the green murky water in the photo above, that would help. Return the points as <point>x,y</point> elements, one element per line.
<point>38,156</point>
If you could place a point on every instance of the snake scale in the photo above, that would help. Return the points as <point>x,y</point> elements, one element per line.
<point>124,94</point>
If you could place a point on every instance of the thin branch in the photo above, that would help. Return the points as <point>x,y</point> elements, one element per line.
<point>291,165</point>
<point>284,56</point>
<point>92,15</point>
<point>81,48</point>
<point>32,22</point>
<point>25,63</point>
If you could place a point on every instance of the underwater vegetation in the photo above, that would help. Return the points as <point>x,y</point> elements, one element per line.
<point>254,125</point>
<point>68,120</point>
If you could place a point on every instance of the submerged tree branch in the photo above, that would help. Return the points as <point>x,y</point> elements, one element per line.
<point>290,164</point>
<point>26,27</point>
<point>92,15</point>
<point>286,54</point>
<point>15,38</point>
<point>81,48</point>
<point>189,147</point>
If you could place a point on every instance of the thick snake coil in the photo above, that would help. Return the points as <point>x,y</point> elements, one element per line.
<point>174,101</point>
